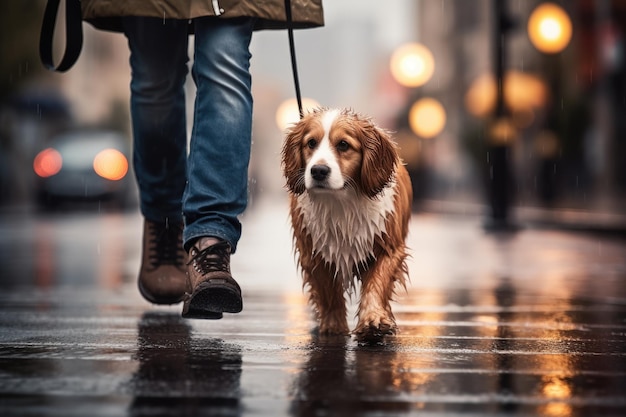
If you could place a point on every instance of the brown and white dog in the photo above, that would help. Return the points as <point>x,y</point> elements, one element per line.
<point>350,209</point>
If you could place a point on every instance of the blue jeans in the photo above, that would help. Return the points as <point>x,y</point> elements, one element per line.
<point>206,189</point>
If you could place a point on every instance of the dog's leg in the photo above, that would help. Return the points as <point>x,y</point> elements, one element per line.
<point>327,298</point>
<point>375,318</point>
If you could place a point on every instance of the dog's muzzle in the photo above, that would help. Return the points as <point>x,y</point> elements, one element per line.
<point>320,173</point>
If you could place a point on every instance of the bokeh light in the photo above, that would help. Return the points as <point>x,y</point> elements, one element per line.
<point>427,118</point>
<point>47,163</point>
<point>522,93</point>
<point>502,132</point>
<point>412,65</point>
<point>288,114</point>
<point>110,164</point>
<point>549,28</point>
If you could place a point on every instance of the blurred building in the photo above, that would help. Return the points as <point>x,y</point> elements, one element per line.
<point>565,108</point>
<point>567,150</point>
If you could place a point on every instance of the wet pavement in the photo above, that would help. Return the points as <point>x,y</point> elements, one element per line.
<point>527,324</point>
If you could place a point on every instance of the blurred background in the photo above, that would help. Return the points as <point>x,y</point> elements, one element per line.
<point>511,110</point>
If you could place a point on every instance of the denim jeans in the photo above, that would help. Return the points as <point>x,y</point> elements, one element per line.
<point>207,188</point>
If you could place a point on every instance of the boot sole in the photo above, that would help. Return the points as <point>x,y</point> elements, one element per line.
<point>162,301</point>
<point>210,299</point>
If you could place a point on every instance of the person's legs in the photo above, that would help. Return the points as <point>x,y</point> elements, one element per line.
<point>217,175</point>
<point>159,67</point>
<point>216,192</point>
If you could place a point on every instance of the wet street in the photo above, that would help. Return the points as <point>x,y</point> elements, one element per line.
<point>527,324</point>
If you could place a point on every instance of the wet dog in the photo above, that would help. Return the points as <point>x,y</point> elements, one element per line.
<point>350,205</point>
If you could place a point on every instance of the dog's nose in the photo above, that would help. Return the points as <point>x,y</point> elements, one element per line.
<point>320,172</point>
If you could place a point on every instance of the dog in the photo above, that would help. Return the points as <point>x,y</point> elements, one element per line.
<point>350,206</point>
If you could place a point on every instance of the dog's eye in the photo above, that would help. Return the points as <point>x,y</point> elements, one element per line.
<point>312,143</point>
<point>343,146</point>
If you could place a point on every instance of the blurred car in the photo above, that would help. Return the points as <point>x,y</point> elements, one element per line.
<point>82,166</point>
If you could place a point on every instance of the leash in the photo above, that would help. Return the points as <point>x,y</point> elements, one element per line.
<point>73,35</point>
<point>292,52</point>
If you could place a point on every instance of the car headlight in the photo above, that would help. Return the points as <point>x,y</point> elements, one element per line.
<point>110,164</point>
<point>47,163</point>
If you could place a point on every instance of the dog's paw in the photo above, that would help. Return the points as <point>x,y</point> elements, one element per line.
<point>375,329</point>
<point>334,327</point>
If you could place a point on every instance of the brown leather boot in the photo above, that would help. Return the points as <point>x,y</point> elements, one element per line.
<point>162,277</point>
<point>212,289</point>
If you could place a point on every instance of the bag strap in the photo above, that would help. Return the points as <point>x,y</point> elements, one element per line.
<point>73,35</point>
<point>292,52</point>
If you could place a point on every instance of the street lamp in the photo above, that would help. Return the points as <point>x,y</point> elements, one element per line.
<point>549,28</point>
<point>550,31</point>
<point>499,149</point>
<point>412,65</point>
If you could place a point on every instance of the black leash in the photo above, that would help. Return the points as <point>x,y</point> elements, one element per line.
<point>292,51</point>
<point>73,34</point>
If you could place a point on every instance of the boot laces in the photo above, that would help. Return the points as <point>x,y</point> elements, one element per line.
<point>165,245</point>
<point>215,258</point>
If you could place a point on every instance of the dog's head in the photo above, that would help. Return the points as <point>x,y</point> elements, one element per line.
<point>336,149</point>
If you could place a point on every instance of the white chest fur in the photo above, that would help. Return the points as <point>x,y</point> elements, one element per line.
<point>343,226</point>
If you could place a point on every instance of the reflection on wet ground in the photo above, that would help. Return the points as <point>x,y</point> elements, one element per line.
<point>178,372</point>
<point>526,324</point>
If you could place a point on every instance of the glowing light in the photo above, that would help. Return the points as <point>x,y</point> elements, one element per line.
<point>412,65</point>
<point>549,28</point>
<point>427,118</point>
<point>110,164</point>
<point>522,93</point>
<point>287,113</point>
<point>47,163</point>
<point>502,132</point>
<point>559,392</point>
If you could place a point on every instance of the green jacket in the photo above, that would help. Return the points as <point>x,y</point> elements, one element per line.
<point>270,14</point>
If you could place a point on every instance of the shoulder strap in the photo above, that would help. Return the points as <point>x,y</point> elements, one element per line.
<point>292,51</point>
<point>73,34</point>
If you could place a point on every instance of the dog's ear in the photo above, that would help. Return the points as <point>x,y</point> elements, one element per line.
<point>292,158</point>
<point>379,158</point>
